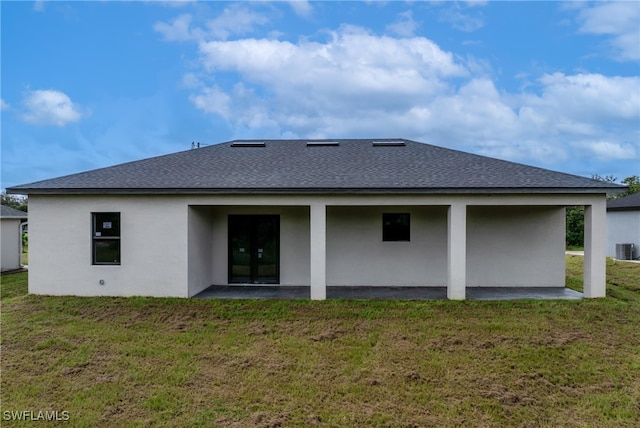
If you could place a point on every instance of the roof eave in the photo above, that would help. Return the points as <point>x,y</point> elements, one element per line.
<point>313,191</point>
<point>623,208</point>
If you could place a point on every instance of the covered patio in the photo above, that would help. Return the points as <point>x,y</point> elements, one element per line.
<point>385,293</point>
<point>480,247</point>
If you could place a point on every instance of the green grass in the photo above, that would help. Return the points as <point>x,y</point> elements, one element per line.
<point>237,363</point>
<point>25,250</point>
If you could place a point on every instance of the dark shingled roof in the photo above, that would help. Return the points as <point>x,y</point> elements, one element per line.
<point>628,203</point>
<point>293,166</point>
<point>8,212</point>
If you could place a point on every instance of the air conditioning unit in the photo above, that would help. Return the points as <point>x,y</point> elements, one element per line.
<point>624,251</point>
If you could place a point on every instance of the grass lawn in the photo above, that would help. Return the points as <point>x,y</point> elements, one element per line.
<point>240,363</point>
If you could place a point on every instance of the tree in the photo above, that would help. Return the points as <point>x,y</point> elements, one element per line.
<point>14,201</point>
<point>575,215</point>
<point>575,226</point>
<point>607,179</point>
<point>633,183</point>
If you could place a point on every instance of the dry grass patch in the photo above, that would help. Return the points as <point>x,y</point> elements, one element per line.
<point>168,362</point>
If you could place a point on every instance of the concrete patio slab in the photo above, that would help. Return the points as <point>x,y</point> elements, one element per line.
<point>385,293</point>
<point>522,293</point>
<point>255,292</point>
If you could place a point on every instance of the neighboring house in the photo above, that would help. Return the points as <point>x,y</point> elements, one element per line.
<point>321,212</point>
<point>623,223</point>
<point>11,237</point>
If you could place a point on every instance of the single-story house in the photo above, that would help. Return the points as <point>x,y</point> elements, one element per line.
<point>623,224</point>
<point>11,220</point>
<point>317,213</point>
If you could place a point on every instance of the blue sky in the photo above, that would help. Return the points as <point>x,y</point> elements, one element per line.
<point>92,84</point>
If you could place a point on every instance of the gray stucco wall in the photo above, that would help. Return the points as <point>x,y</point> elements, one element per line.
<point>153,246</point>
<point>10,240</point>
<point>176,246</point>
<point>200,248</point>
<point>515,246</point>
<point>506,246</point>
<point>623,227</point>
<point>356,254</point>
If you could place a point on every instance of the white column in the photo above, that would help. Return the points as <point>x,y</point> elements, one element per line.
<point>318,251</point>
<point>595,258</point>
<point>457,252</point>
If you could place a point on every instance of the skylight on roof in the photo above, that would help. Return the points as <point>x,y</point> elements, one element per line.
<point>389,143</point>
<point>322,143</point>
<point>248,144</point>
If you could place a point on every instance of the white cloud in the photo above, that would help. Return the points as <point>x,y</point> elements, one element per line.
<point>235,19</point>
<point>311,86</point>
<point>460,20</point>
<point>49,107</point>
<point>404,25</point>
<point>302,7</point>
<point>359,84</point>
<point>191,80</point>
<point>213,100</point>
<point>4,105</point>
<point>590,96</point>
<point>620,20</point>
<point>38,5</point>
<point>611,150</point>
<point>179,29</point>
<point>353,54</point>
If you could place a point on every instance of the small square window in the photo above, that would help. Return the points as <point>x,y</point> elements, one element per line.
<point>396,227</point>
<point>105,235</point>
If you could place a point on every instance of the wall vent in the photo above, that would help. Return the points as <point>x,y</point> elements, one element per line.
<point>390,143</point>
<point>248,144</point>
<point>322,143</point>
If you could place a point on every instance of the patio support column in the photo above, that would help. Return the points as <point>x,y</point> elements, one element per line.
<point>595,220</point>
<point>457,252</point>
<point>318,240</point>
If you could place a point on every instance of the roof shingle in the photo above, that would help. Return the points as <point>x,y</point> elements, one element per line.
<point>8,212</point>
<point>628,203</point>
<point>293,166</point>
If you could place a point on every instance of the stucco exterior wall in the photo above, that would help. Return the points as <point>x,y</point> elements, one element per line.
<point>200,248</point>
<point>10,237</point>
<point>177,245</point>
<point>623,227</point>
<point>515,246</point>
<point>153,246</point>
<point>357,255</point>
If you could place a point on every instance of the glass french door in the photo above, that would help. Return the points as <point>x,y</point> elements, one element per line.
<point>254,249</point>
